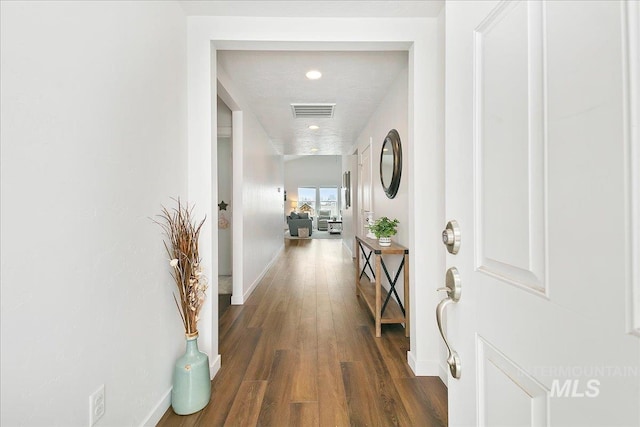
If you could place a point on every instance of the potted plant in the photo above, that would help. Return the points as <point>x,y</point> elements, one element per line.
<point>384,228</point>
<point>191,382</point>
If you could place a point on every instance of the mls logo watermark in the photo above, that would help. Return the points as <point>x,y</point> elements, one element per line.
<point>575,388</point>
<point>583,381</point>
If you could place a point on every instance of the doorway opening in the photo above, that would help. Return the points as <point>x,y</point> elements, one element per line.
<point>225,206</point>
<point>422,39</point>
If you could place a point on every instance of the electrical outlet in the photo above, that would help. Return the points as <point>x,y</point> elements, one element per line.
<point>96,406</point>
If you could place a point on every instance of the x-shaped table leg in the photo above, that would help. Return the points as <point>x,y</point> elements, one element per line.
<point>392,283</point>
<point>367,259</point>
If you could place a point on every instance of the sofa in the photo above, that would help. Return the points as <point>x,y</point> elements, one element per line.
<point>297,221</point>
<point>323,218</point>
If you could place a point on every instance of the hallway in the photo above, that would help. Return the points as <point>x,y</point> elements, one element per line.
<point>301,352</point>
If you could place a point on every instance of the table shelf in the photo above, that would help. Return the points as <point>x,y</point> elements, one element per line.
<point>383,307</point>
<point>392,313</point>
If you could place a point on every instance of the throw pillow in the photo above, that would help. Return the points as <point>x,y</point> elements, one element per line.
<point>303,232</point>
<point>303,215</point>
<point>294,215</point>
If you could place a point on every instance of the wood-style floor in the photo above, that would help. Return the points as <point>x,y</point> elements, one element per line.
<point>302,352</point>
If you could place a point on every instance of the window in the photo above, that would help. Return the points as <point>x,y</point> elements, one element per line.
<point>329,199</point>
<point>312,199</point>
<point>307,196</point>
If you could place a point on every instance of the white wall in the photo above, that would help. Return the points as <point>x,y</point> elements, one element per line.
<point>223,114</point>
<point>392,113</point>
<point>225,180</point>
<point>349,215</point>
<point>262,204</point>
<point>257,174</point>
<point>311,171</point>
<point>93,142</point>
<point>426,197</point>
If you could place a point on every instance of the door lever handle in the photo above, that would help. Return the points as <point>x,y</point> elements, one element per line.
<point>453,289</point>
<point>453,285</point>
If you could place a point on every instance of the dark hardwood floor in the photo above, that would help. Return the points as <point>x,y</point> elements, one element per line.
<point>224,301</point>
<point>302,352</point>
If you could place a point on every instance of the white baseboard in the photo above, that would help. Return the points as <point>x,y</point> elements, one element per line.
<point>240,300</point>
<point>346,246</point>
<point>444,374</point>
<point>423,368</point>
<point>158,411</point>
<point>214,366</point>
<point>214,363</point>
<point>161,407</point>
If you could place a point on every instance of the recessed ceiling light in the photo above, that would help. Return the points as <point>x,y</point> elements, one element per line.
<point>314,127</point>
<point>313,150</point>
<point>313,74</point>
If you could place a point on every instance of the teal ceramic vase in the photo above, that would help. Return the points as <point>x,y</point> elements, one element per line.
<point>191,383</point>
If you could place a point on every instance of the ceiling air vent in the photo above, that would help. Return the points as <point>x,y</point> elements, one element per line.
<point>313,111</point>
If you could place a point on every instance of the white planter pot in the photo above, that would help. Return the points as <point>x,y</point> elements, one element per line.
<point>384,241</point>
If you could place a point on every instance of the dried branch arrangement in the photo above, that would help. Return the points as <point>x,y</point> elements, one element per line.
<point>182,246</point>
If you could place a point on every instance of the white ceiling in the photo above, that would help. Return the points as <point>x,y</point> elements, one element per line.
<point>292,8</point>
<point>272,80</point>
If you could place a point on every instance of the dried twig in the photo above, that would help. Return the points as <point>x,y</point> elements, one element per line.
<point>182,247</point>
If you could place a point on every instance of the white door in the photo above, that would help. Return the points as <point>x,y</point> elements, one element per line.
<point>364,186</point>
<point>535,176</point>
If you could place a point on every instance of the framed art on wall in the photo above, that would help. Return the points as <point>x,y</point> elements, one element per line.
<point>346,184</point>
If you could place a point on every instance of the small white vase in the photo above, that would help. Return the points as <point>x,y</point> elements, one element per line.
<point>384,241</point>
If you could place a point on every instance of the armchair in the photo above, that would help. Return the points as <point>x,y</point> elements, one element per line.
<point>298,221</point>
<point>323,218</point>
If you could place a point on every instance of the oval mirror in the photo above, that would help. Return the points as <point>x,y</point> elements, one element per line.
<point>391,163</point>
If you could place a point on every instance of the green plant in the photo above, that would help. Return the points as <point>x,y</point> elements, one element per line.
<point>384,227</point>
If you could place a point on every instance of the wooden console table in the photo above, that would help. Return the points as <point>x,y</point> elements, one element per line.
<point>384,310</point>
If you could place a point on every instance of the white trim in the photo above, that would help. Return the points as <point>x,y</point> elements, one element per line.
<point>534,276</point>
<point>423,368</point>
<point>158,410</point>
<point>361,208</point>
<point>237,232</point>
<point>346,246</point>
<point>631,113</point>
<point>214,366</point>
<point>444,374</point>
<point>538,393</point>
<point>202,183</point>
<point>249,291</point>
<point>165,401</point>
<point>421,37</point>
<point>224,131</point>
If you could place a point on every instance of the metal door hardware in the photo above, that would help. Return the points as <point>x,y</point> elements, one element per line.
<point>453,288</point>
<point>453,285</point>
<point>451,237</point>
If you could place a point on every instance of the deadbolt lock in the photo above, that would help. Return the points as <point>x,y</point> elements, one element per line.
<point>451,237</point>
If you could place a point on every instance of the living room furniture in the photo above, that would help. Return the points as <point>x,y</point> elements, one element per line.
<point>335,226</point>
<point>306,208</point>
<point>387,311</point>
<point>297,221</point>
<point>323,219</point>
